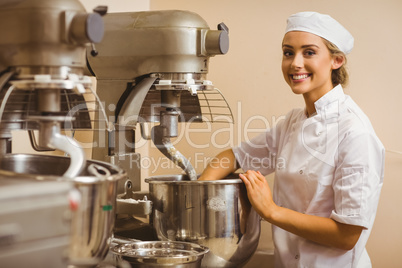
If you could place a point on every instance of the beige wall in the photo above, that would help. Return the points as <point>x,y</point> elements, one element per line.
<point>118,5</point>
<point>250,77</point>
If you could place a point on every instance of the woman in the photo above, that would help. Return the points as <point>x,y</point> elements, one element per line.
<point>329,161</point>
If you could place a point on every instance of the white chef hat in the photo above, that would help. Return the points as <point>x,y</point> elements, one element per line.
<point>322,25</point>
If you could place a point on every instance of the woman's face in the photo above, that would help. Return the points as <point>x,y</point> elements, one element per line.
<point>307,64</point>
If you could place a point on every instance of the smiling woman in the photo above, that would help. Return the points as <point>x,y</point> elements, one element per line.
<point>327,187</point>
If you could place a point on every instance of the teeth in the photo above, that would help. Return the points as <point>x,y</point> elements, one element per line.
<point>300,76</point>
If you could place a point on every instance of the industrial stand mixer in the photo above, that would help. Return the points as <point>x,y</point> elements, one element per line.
<point>57,211</point>
<point>151,67</point>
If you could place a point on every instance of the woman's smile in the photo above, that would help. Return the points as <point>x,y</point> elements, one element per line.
<point>297,78</point>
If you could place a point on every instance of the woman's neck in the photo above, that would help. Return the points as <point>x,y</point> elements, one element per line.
<point>311,97</point>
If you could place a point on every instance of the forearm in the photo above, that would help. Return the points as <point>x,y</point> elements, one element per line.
<point>220,166</point>
<point>324,231</point>
<point>321,230</point>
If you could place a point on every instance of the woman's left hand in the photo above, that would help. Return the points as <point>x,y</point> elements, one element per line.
<point>258,192</point>
<point>321,230</point>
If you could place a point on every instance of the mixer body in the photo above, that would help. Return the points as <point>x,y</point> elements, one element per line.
<point>152,68</point>
<point>42,87</point>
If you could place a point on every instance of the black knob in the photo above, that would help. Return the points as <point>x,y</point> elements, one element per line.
<point>94,52</point>
<point>101,10</point>
<point>222,27</point>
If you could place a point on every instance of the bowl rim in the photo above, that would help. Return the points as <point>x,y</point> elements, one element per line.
<point>117,174</point>
<point>182,179</point>
<point>182,259</point>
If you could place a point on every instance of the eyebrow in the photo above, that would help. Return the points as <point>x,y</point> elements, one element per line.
<point>303,46</point>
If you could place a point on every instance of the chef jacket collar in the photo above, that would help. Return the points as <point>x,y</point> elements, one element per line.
<point>329,103</point>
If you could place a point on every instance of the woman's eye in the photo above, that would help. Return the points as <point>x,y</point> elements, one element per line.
<point>310,52</point>
<point>287,53</point>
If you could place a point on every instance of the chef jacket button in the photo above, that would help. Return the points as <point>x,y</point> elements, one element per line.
<point>297,256</point>
<point>319,133</point>
<point>301,171</point>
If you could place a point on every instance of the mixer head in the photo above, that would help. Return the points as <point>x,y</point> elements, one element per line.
<point>151,62</point>
<point>42,61</point>
<point>152,67</point>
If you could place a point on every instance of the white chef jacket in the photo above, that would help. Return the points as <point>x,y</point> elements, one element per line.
<point>329,165</point>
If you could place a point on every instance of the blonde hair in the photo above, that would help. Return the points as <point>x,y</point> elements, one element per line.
<point>340,75</point>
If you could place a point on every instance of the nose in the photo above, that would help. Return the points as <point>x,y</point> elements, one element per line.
<point>298,61</point>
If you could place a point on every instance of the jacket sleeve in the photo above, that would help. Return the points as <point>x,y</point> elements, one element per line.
<point>260,153</point>
<point>358,179</point>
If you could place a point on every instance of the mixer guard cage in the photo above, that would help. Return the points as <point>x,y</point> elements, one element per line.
<point>21,105</point>
<point>205,106</point>
<point>87,111</point>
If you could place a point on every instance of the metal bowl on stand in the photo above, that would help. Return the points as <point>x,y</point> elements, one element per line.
<point>157,254</point>
<point>93,215</point>
<point>214,214</point>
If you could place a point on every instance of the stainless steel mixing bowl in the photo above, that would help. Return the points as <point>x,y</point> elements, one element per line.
<point>159,254</point>
<point>215,214</point>
<point>93,217</point>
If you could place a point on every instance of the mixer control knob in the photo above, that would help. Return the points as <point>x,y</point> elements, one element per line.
<point>87,28</point>
<point>217,41</point>
<point>101,10</point>
<point>222,27</point>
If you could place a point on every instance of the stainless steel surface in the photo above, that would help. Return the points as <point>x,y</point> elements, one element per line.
<point>56,72</point>
<point>46,33</point>
<point>42,52</point>
<point>93,219</point>
<point>152,67</point>
<point>154,254</point>
<point>129,112</point>
<point>20,105</point>
<point>198,101</point>
<point>24,103</point>
<point>168,128</point>
<point>161,135</point>
<point>42,87</point>
<point>215,214</point>
<point>35,223</point>
<point>133,203</point>
<point>149,62</point>
<point>139,43</point>
<point>132,163</point>
<point>50,137</point>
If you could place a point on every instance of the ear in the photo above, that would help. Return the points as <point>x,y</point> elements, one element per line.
<point>337,62</point>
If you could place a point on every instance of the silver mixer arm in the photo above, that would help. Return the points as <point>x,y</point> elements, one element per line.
<point>50,137</point>
<point>77,156</point>
<point>166,147</point>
